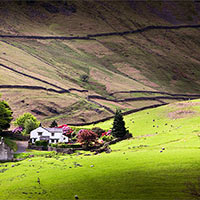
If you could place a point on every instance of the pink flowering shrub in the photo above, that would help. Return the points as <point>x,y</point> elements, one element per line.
<point>66,130</point>
<point>17,130</point>
<point>108,133</point>
<point>106,136</point>
<point>86,137</point>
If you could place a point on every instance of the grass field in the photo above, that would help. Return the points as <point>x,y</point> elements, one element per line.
<point>136,168</point>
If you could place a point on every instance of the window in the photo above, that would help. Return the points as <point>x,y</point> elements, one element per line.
<point>56,141</point>
<point>52,141</point>
<point>40,133</point>
<point>52,134</point>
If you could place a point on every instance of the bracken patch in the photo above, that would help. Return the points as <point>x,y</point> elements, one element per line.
<point>181,114</point>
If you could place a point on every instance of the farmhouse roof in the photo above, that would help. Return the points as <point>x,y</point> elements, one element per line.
<point>54,130</point>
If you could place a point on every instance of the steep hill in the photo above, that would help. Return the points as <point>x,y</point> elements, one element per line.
<point>62,60</point>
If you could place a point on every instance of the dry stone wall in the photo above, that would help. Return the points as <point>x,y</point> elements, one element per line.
<point>6,154</point>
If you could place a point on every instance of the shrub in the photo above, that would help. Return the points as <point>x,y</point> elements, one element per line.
<point>17,130</point>
<point>76,130</point>
<point>86,137</point>
<point>107,138</point>
<point>98,131</point>
<point>53,145</point>
<point>41,143</point>
<point>84,78</point>
<point>67,131</point>
<point>106,133</point>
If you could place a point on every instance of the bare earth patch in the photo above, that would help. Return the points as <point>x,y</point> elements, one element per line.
<point>186,104</point>
<point>134,73</point>
<point>181,114</point>
<point>93,48</point>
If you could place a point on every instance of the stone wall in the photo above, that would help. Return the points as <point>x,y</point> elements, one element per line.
<point>6,153</point>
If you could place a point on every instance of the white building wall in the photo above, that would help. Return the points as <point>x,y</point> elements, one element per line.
<point>35,133</point>
<point>56,136</point>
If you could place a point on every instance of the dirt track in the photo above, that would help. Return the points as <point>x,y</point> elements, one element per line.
<point>21,146</point>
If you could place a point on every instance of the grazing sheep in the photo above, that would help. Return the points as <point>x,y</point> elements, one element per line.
<point>76,196</point>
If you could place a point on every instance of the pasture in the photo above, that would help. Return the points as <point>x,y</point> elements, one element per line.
<point>157,163</point>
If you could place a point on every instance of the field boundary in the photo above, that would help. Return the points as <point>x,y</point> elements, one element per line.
<point>92,36</point>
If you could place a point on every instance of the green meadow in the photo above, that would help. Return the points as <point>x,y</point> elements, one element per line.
<point>159,162</point>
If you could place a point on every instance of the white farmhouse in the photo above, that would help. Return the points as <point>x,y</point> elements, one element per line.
<point>52,135</point>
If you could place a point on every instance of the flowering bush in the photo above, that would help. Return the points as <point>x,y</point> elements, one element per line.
<point>86,137</point>
<point>17,130</point>
<point>108,133</point>
<point>66,130</point>
<point>100,141</point>
<point>98,131</point>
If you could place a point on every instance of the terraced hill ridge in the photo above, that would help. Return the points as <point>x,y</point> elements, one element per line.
<point>133,54</point>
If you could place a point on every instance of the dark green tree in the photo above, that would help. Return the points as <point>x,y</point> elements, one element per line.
<point>53,124</point>
<point>119,129</point>
<point>5,115</point>
<point>84,78</point>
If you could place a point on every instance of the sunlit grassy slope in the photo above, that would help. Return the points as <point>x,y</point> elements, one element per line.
<point>137,168</point>
<point>159,60</point>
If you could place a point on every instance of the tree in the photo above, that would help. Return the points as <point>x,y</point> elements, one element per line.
<point>30,125</point>
<point>27,122</point>
<point>20,121</point>
<point>84,78</point>
<point>86,137</point>
<point>53,124</point>
<point>119,129</point>
<point>5,115</point>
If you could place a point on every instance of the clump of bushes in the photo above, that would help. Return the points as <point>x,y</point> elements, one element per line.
<point>41,143</point>
<point>98,131</point>
<point>107,138</point>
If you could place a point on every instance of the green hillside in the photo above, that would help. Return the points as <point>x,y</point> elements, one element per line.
<point>157,163</point>
<point>154,60</point>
